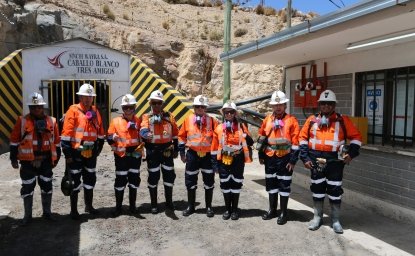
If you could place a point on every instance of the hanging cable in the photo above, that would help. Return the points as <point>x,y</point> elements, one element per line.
<point>338,6</point>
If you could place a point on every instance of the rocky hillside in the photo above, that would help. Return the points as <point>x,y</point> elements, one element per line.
<point>181,42</point>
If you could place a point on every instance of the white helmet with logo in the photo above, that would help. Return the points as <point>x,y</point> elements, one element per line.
<point>35,99</point>
<point>327,95</point>
<point>128,99</point>
<point>156,95</point>
<point>201,100</point>
<point>229,105</point>
<point>86,90</point>
<point>278,97</point>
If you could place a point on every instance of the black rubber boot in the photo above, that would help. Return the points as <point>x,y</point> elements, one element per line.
<point>89,197</point>
<point>273,202</point>
<point>208,200</point>
<point>317,220</point>
<point>282,219</point>
<point>153,198</point>
<point>132,196</point>
<point>227,214</point>
<point>119,196</point>
<point>168,193</point>
<point>335,218</point>
<point>191,198</point>
<point>28,204</point>
<point>74,206</point>
<point>235,211</point>
<point>46,206</point>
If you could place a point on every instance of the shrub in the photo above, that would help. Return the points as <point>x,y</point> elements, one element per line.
<point>106,8</point>
<point>240,32</point>
<point>269,11</point>
<point>183,34</point>
<point>111,15</point>
<point>125,16</point>
<point>203,36</point>
<point>217,3</point>
<point>165,25</point>
<point>259,10</point>
<point>201,52</point>
<point>207,3</point>
<point>215,35</point>
<point>282,15</point>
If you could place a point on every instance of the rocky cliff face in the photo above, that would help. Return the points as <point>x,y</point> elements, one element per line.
<point>180,42</point>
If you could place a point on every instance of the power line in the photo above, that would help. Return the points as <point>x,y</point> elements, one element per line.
<point>338,6</point>
<point>342,3</point>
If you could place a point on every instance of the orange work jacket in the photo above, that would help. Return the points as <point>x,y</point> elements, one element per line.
<point>230,141</point>
<point>126,137</point>
<point>164,131</point>
<point>329,138</point>
<point>280,140</point>
<point>77,128</point>
<point>197,137</point>
<point>25,137</point>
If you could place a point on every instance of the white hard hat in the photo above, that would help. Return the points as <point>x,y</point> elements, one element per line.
<point>230,105</point>
<point>278,97</point>
<point>327,95</point>
<point>156,95</point>
<point>128,99</point>
<point>35,99</point>
<point>86,90</point>
<point>201,100</point>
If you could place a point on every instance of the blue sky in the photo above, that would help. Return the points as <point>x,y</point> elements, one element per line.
<point>319,6</point>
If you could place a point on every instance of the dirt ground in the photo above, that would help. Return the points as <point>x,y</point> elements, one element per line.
<point>167,233</point>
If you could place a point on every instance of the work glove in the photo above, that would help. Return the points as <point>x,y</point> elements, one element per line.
<point>15,164</point>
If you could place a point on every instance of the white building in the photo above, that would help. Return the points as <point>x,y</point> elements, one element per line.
<point>368,50</point>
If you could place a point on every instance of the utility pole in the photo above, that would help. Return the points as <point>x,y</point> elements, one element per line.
<point>226,48</point>
<point>289,14</point>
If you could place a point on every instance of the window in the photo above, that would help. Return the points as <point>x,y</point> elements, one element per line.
<point>386,98</point>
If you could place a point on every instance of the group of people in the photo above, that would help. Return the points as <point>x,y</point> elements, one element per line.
<point>203,144</point>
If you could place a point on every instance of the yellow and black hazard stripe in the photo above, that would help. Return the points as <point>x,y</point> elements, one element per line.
<point>144,80</point>
<point>11,95</point>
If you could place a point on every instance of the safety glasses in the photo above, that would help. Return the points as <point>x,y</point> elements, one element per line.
<point>200,106</point>
<point>155,103</point>
<point>328,103</point>
<point>128,107</point>
<point>229,112</point>
<point>36,107</point>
